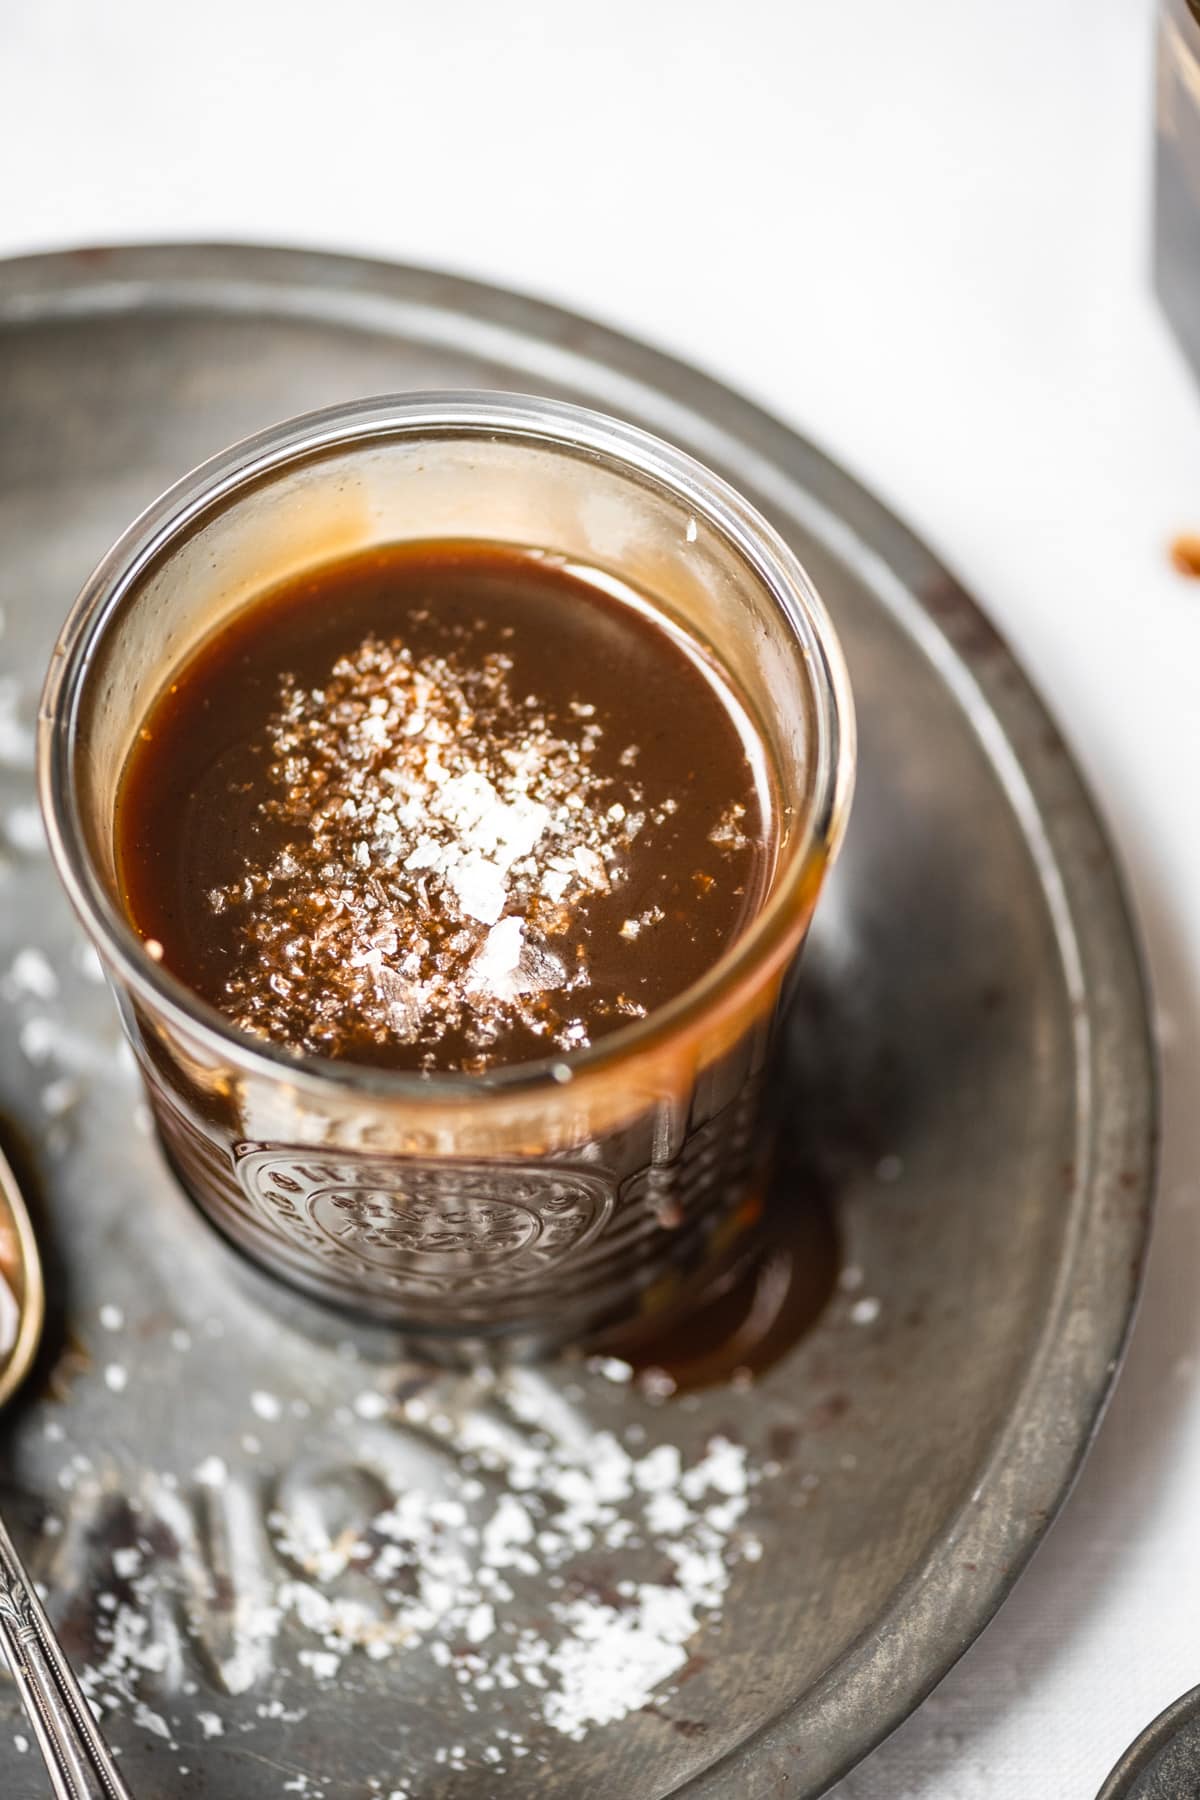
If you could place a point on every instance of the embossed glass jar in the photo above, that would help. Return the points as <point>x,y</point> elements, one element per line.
<point>543,1198</point>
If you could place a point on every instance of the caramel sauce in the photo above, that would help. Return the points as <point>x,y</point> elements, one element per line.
<point>443,805</point>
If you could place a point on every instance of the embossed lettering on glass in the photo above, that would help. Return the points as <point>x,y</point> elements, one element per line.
<point>542,1197</point>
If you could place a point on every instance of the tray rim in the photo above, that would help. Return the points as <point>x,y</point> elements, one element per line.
<point>1148,1745</point>
<point>930,1619</point>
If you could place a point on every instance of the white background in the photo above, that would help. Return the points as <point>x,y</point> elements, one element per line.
<point>918,230</point>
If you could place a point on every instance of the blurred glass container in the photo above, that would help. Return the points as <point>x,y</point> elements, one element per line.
<point>1177,173</point>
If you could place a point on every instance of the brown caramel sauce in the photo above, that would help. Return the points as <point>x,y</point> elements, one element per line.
<point>323,697</point>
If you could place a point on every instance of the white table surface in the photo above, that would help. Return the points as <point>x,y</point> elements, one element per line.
<point>919,232</point>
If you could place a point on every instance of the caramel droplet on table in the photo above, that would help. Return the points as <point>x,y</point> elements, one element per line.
<point>1185,553</point>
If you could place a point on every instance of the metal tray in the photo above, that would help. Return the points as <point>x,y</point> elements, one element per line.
<point>971,1093</point>
<point>1163,1762</point>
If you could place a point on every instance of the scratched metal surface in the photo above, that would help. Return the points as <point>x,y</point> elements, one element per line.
<point>971,1086</point>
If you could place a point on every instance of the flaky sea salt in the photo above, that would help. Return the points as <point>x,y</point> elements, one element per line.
<point>31,973</point>
<point>558,1567</point>
<point>59,1097</point>
<point>444,835</point>
<point>371,1405</point>
<point>612,1368</point>
<point>323,1663</point>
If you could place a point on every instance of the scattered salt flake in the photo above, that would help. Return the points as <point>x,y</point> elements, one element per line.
<point>30,973</point>
<point>480,887</point>
<point>58,1097</point>
<point>150,1721</point>
<point>505,966</point>
<point>127,1562</point>
<point>611,1367</point>
<point>667,1515</point>
<point>656,1384</point>
<point>506,1534</point>
<point>116,1377</point>
<point>111,1317</point>
<point>372,1405</point>
<point>723,1468</point>
<point>210,1724</point>
<point>610,1662</point>
<point>37,1038</point>
<point>267,1406</point>
<point>480,1624</point>
<point>865,1311</point>
<point>851,1278</point>
<point>323,1663</point>
<point>659,1470</point>
<point>211,1472</point>
<point>20,1744</point>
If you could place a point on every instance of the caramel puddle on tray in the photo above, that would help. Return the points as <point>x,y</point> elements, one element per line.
<point>746,1316</point>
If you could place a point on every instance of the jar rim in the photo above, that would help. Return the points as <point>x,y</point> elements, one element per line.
<point>759,952</point>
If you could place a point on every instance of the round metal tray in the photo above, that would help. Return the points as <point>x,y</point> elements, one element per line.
<point>1163,1762</point>
<point>971,1093</point>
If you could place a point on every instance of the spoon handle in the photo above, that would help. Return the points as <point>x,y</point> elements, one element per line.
<point>78,1760</point>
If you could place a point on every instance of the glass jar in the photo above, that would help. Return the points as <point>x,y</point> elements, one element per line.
<point>1177,173</point>
<point>543,1198</point>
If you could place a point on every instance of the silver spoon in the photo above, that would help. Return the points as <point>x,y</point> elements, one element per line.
<point>79,1762</point>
